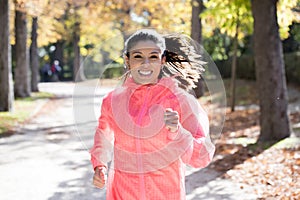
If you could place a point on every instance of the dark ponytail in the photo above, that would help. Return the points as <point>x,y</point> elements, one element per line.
<point>183,60</point>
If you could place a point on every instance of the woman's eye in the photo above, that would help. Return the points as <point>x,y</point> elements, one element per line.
<point>137,56</point>
<point>154,57</point>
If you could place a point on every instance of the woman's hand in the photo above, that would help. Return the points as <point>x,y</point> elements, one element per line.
<point>99,179</point>
<point>171,119</point>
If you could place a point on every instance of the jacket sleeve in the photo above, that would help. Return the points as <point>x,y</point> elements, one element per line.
<point>195,124</point>
<point>101,152</point>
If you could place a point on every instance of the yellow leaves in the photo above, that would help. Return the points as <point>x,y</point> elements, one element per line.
<point>107,40</point>
<point>285,16</point>
<point>47,31</point>
<point>225,15</point>
<point>114,45</point>
<point>35,7</point>
<point>20,5</point>
<point>174,16</point>
<point>119,60</point>
<point>97,18</point>
<point>195,3</point>
<point>155,22</point>
<point>98,58</point>
<point>102,23</point>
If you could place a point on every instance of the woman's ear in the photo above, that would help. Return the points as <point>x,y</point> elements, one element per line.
<point>163,59</point>
<point>126,61</point>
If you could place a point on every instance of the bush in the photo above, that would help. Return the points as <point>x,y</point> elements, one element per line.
<point>292,67</point>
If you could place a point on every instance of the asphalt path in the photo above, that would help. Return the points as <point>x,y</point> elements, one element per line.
<point>48,159</point>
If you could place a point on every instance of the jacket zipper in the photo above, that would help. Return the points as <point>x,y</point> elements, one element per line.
<point>139,148</point>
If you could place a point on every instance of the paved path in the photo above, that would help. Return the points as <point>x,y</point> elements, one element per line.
<point>48,158</point>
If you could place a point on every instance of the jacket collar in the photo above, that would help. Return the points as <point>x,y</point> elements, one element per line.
<point>167,82</point>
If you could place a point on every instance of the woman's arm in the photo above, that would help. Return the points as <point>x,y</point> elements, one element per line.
<point>196,124</point>
<point>102,149</point>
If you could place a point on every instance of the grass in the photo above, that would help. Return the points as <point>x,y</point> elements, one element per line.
<point>23,110</point>
<point>288,143</point>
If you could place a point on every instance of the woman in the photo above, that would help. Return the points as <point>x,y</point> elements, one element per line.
<point>150,124</point>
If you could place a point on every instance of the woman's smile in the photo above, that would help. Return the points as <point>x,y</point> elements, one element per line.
<point>146,73</point>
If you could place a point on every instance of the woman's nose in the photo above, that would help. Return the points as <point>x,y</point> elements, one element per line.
<point>146,61</point>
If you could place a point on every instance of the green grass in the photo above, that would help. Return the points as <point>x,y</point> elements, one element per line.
<point>23,108</point>
<point>288,143</point>
<point>35,96</point>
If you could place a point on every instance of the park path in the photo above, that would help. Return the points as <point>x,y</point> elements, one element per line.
<point>48,158</point>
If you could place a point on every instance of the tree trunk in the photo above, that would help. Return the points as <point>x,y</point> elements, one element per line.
<point>234,66</point>
<point>59,52</point>
<point>59,55</point>
<point>196,29</point>
<point>78,71</point>
<point>196,34</point>
<point>22,72</point>
<point>6,83</point>
<point>34,59</point>
<point>270,72</point>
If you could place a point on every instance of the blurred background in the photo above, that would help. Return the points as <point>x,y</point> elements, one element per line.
<point>255,46</point>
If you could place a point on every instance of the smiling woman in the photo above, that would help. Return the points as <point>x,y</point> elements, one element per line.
<point>145,62</point>
<point>150,128</point>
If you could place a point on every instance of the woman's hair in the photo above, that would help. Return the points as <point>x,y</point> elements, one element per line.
<point>183,59</point>
<point>144,35</point>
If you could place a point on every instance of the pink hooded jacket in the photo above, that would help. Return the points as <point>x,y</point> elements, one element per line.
<point>148,161</point>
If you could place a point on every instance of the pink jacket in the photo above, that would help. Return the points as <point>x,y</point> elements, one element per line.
<point>148,161</point>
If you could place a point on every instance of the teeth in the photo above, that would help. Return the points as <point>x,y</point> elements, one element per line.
<point>145,73</point>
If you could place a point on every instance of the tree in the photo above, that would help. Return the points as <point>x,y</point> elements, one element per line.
<point>6,84</point>
<point>196,34</point>
<point>22,71</point>
<point>270,72</point>
<point>34,59</point>
<point>34,10</point>
<point>196,28</point>
<point>115,19</point>
<point>233,18</point>
<point>78,71</point>
<point>234,60</point>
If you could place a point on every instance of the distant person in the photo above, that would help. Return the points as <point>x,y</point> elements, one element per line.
<point>46,72</point>
<point>150,128</point>
<point>55,70</point>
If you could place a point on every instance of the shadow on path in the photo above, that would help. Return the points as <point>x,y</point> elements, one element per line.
<point>55,162</point>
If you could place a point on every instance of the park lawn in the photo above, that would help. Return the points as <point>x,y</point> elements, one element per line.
<point>24,108</point>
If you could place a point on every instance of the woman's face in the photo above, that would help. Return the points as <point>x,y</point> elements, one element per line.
<point>145,61</point>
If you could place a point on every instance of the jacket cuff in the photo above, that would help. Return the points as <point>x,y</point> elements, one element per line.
<point>181,132</point>
<point>97,163</point>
